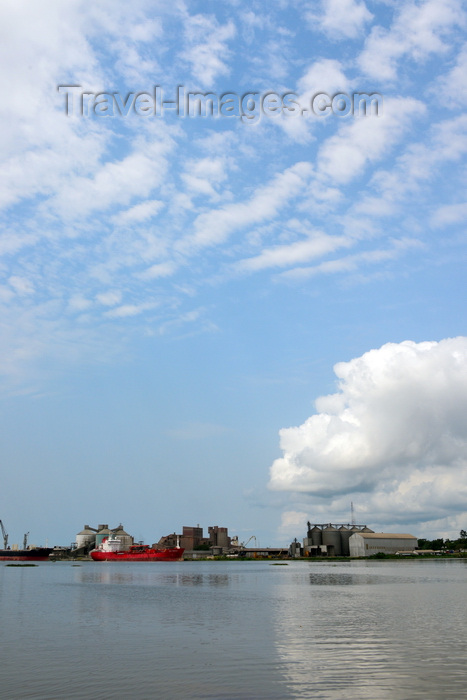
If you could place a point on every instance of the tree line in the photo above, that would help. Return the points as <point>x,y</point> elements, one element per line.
<point>445,544</point>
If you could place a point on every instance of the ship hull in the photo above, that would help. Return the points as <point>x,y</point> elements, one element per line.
<point>174,554</point>
<point>36,554</point>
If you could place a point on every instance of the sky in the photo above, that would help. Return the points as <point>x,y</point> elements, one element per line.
<point>232,262</point>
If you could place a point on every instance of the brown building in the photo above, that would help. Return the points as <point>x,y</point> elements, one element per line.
<point>168,541</point>
<point>219,536</point>
<point>191,537</point>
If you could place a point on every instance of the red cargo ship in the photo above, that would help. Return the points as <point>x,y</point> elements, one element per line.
<point>110,550</point>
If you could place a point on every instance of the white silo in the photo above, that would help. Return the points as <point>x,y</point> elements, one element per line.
<point>85,537</point>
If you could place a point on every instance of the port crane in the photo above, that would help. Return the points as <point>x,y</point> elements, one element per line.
<point>244,544</point>
<point>239,548</point>
<point>5,536</point>
<point>241,551</point>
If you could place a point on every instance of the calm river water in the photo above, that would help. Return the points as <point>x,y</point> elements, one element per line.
<point>353,630</point>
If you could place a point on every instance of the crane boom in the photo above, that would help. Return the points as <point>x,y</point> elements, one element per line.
<point>5,536</point>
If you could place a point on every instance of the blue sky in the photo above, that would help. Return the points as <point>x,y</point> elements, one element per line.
<point>248,322</point>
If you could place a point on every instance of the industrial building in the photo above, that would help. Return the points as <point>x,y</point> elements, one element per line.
<point>192,539</point>
<point>328,539</point>
<point>91,537</point>
<point>168,541</point>
<point>364,544</point>
<point>219,537</point>
<point>350,540</point>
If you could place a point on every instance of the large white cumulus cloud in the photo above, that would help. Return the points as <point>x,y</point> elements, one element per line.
<point>396,431</point>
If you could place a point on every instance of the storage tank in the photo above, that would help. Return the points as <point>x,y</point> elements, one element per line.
<point>103,533</point>
<point>345,537</point>
<point>126,540</point>
<point>366,529</point>
<point>332,538</point>
<point>316,536</point>
<point>85,537</point>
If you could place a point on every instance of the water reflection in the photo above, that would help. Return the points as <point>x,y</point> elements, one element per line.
<point>323,578</point>
<point>113,576</point>
<point>341,579</point>
<point>245,630</point>
<point>340,635</point>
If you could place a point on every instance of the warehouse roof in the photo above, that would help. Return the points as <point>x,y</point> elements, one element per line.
<point>385,535</point>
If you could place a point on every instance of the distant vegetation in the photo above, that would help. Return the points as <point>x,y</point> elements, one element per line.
<point>448,545</point>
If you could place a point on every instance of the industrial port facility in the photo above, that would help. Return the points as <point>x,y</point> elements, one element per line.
<point>191,539</point>
<point>322,540</point>
<point>350,540</point>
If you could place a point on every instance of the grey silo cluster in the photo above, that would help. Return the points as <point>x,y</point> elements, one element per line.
<point>330,539</point>
<point>91,537</point>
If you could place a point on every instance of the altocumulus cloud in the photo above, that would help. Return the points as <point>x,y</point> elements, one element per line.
<point>395,432</point>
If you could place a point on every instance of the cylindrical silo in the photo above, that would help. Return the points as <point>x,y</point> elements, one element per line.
<point>316,536</point>
<point>366,529</point>
<point>345,537</point>
<point>103,533</point>
<point>85,537</point>
<point>332,538</point>
<point>125,539</point>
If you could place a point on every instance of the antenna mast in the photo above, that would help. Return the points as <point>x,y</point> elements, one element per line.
<point>352,514</point>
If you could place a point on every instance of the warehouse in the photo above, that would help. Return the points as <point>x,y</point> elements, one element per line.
<point>328,540</point>
<point>364,544</point>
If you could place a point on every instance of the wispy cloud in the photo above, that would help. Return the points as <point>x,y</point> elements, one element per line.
<point>217,225</point>
<point>450,214</point>
<point>350,263</point>
<point>126,310</point>
<point>138,213</point>
<point>345,155</point>
<point>339,18</point>
<point>194,321</point>
<point>207,50</point>
<point>317,245</point>
<point>418,31</point>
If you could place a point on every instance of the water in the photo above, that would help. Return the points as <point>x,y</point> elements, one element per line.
<point>231,630</point>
